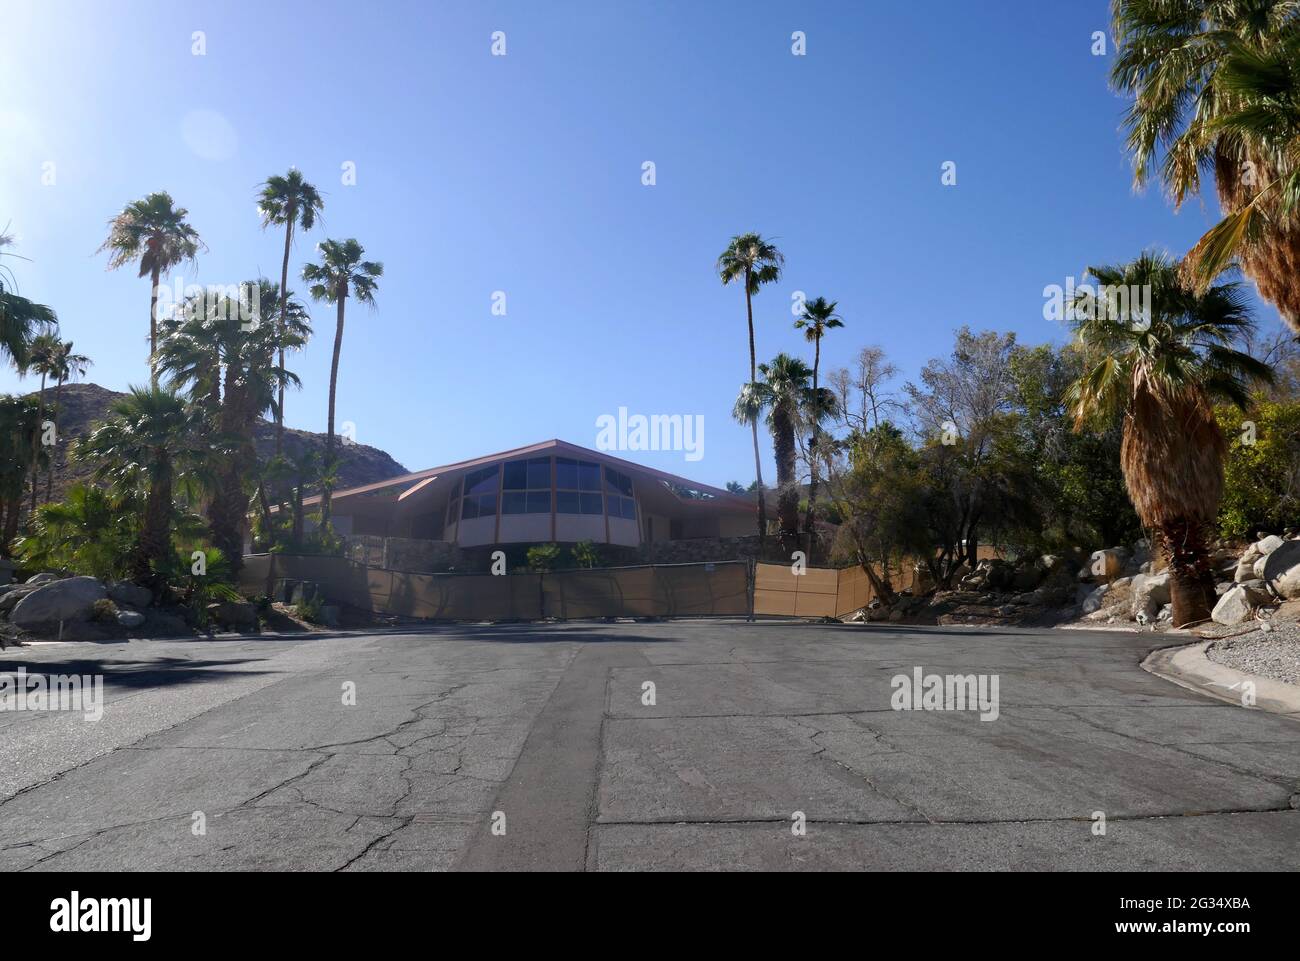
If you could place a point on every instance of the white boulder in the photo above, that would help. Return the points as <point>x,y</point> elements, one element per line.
<point>1267,545</point>
<point>1282,570</point>
<point>1150,593</point>
<point>1237,605</point>
<point>72,599</point>
<point>1095,599</point>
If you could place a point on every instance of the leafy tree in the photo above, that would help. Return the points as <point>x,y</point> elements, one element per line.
<point>964,412</point>
<point>878,487</point>
<point>1262,472</point>
<point>545,557</point>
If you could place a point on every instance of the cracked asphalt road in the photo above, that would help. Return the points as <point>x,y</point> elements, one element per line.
<point>547,725</point>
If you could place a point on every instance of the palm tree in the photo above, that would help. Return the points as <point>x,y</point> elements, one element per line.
<point>790,403</point>
<point>43,357</point>
<point>289,201</point>
<point>69,366</point>
<point>754,261</point>
<point>816,317</point>
<point>20,318</point>
<point>1265,90</point>
<point>340,274</point>
<point>19,424</point>
<point>1171,57</point>
<point>154,231</point>
<point>1163,372</point>
<point>149,439</point>
<point>90,531</point>
<point>228,367</point>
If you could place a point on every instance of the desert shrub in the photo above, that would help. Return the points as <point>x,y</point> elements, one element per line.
<point>105,610</point>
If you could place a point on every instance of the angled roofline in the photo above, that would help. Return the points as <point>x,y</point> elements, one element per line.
<point>419,479</point>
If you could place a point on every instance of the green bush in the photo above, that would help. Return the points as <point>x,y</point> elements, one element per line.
<point>1262,475</point>
<point>89,532</point>
<point>585,555</point>
<point>545,557</point>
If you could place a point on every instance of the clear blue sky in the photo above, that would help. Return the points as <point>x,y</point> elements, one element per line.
<point>522,173</point>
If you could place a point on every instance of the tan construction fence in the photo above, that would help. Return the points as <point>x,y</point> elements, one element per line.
<point>670,590</point>
<point>817,592</point>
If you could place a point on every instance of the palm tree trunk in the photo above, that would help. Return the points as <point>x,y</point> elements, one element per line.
<point>153,326</point>
<point>1191,582</point>
<point>13,508</point>
<point>36,439</point>
<point>284,300</point>
<point>758,462</point>
<point>787,496</point>
<point>329,435</point>
<point>49,467</point>
<point>811,517</point>
<point>155,533</point>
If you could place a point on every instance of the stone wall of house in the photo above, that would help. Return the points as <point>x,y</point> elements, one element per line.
<point>404,553</point>
<point>701,549</point>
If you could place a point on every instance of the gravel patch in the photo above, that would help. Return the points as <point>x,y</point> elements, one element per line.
<point>1275,654</point>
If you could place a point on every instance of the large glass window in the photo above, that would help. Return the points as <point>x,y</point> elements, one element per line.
<point>482,481</point>
<point>616,482</point>
<point>578,502</point>
<point>531,474</point>
<point>578,486</point>
<point>576,475</point>
<point>527,486</point>
<point>480,498</point>
<point>621,506</point>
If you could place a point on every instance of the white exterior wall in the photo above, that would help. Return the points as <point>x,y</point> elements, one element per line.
<point>525,528</point>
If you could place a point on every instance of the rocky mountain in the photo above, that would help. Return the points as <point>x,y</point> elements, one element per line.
<point>83,404</point>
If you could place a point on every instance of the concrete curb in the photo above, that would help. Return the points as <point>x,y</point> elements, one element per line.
<point>1189,667</point>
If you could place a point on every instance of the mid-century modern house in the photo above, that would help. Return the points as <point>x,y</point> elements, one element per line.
<point>551,492</point>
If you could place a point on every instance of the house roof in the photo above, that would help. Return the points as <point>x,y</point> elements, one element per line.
<point>409,484</point>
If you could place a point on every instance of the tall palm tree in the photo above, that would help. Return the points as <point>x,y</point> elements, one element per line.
<point>149,438</point>
<point>1265,89</point>
<point>816,317</point>
<point>340,274</point>
<point>43,357</point>
<point>228,367</point>
<point>70,366</point>
<point>20,318</point>
<point>287,201</point>
<point>1171,55</point>
<point>154,231</point>
<point>755,262</point>
<point>783,392</point>
<point>1163,372</point>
